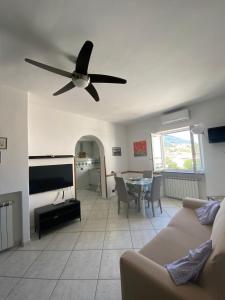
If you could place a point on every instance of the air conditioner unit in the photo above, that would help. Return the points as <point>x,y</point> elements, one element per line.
<point>176,116</point>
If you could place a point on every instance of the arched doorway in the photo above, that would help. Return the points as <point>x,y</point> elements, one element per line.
<point>89,166</point>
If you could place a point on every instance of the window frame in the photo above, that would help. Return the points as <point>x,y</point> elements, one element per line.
<point>193,152</point>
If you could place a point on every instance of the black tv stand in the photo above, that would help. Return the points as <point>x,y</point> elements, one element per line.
<point>48,216</point>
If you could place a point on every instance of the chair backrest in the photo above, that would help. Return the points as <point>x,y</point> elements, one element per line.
<point>118,174</point>
<point>147,174</point>
<point>155,188</point>
<point>121,189</point>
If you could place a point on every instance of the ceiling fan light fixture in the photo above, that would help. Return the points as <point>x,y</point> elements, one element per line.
<point>80,80</point>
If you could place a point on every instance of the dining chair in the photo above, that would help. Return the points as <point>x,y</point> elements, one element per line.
<point>116,174</point>
<point>122,193</point>
<point>147,174</point>
<point>154,194</point>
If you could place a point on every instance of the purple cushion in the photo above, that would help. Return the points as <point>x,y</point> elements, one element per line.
<point>207,213</point>
<point>189,267</point>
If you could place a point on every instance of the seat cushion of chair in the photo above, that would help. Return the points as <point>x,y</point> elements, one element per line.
<point>169,245</point>
<point>187,221</point>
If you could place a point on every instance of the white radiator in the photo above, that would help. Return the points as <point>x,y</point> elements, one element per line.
<point>6,225</point>
<point>181,187</point>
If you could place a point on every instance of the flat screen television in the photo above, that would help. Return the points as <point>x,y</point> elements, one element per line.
<point>216,134</point>
<point>50,177</point>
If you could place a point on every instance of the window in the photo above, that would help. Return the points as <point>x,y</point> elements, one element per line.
<point>177,150</point>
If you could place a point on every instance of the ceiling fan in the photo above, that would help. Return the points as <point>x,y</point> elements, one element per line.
<point>80,77</point>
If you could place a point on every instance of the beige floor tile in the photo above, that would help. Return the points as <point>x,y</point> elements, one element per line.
<point>114,215</point>
<point>32,289</point>
<point>105,204</point>
<point>63,241</point>
<point>158,212</point>
<point>18,263</point>
<point>74,290</point>
<point>49,265</point>
<point>36,243</point>
<point>4,255</point>
<point>117,240</point>
<point>90,240</point>
<point>110,268</point>
<point>140,224</point>
<point>6,285</point>
<point>83,265</point>
<point>160,222</point>
<point>95,225</point>
<point>108,289</point>
<point>98,214</point>
<point>117,224</point>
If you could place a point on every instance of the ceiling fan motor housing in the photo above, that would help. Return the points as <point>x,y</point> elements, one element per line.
<point>80,80</point>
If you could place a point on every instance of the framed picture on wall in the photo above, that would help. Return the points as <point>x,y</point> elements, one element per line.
<point>116,151</point>
<point>3,143</point>
<point>140,148</point>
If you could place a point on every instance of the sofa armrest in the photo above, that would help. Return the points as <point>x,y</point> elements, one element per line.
<point>193,203</point>
<point>141,278</point>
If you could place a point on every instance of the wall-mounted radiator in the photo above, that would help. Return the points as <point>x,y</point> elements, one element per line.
<point>6,225</point>
<point>180,187</point>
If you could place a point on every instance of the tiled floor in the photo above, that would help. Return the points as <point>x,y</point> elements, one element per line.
<point>80,260</point>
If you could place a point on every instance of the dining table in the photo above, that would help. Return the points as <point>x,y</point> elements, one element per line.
<point>139,186</point>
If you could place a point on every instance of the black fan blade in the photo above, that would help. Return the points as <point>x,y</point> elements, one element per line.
<point>92,91</point>
<point>84,57</point>
<point>64,89</point>
<point>106,79</point>
<point>48,68</point>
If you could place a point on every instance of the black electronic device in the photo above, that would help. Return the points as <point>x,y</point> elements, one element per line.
<point>216,134</point>
<point>50,177</point>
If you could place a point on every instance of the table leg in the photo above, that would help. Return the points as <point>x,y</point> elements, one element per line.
<point>139,203</point>
<point>143,206</point>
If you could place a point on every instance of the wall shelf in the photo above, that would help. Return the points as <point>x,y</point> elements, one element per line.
<point>50,156</point>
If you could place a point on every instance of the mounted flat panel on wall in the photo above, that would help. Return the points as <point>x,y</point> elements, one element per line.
<point>50,177</point>
<point>216,134</point>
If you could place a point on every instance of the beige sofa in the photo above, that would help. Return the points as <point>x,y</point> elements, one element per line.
<point>143,276</point>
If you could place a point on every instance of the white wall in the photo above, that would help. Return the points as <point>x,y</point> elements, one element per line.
<point>57,132</point>
<point>52,131</point>
<point>210,113</point>
<point>14,165</point>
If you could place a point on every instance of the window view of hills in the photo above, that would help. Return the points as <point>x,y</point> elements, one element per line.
<point>177,151</point>
<point>173,151</point>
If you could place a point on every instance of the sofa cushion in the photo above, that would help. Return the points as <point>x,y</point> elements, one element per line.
<point>169,245</point>
<point>188,268</point>
<point>186,220</point>
<point>207,213</point>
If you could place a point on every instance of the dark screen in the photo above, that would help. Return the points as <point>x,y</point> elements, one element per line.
<point>216,134</point>
<point>51,177</point>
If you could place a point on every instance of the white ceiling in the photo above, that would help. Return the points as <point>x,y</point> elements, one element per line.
<point>170,51</point>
